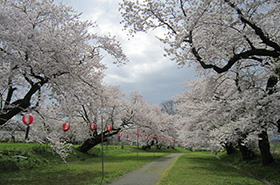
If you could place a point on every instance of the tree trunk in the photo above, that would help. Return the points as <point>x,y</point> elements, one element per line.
<point>89,143</point>
<point>265,148</point>
<point>247,153</point>
<point>92,142</point>
<point>229,148</point>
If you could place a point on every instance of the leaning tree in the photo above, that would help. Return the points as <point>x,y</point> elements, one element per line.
<point>214,34</point>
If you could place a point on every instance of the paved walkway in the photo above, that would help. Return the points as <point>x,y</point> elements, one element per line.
<point>148,174</point>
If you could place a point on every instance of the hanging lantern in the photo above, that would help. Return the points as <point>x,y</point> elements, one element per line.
<point>65,126</point>
<point>27,119</point>
<point>119,134</point>
<point>92,126</point>
<point>127,136</point>
<point>109,128</point>
<point>136,132</point>
<point>146,137</point>
<point>141,135</point>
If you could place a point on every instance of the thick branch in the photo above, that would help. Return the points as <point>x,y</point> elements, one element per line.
<point>250,54</point>
<point>21,104</point>
<point>257,30</point>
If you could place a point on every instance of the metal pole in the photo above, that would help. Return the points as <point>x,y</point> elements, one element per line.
<point>137,144</point>
<point>107,140</point>
<point>154,148</point>
<point>102,154</point>
<point>27,132</point>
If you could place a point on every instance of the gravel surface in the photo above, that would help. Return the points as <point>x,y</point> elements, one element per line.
<point>148,174</point>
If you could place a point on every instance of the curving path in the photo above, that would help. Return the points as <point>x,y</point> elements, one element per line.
<point>148,174</point>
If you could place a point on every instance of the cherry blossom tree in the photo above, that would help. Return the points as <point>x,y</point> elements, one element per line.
<point>194,107</point>
<point>105,110</point>
<point>51,66</point>
<point>147,119</point>
<point>45,47</point>
<point>226,111</point>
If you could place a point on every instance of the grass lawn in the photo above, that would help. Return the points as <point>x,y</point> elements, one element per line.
<point>45,168</point>
<point>198,168</point>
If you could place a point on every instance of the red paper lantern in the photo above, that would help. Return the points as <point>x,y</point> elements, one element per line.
<point>127,136</point>
<point>120,134</point>
<point>141,135</point>
<point>92,126</point>
<point>65,126</point>
<point>136,132</point>
<point>27,119</point>
<point>146,137</point>
<point>165,139</point>
<point>109,128</point>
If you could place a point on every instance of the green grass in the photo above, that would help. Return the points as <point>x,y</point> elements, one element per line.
<point>198,168</point>
<point>45,167</point>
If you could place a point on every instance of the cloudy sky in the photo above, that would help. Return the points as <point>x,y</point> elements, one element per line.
<point>150,73</point>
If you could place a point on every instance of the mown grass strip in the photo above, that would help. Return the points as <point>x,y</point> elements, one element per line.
<point>198,168</point>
